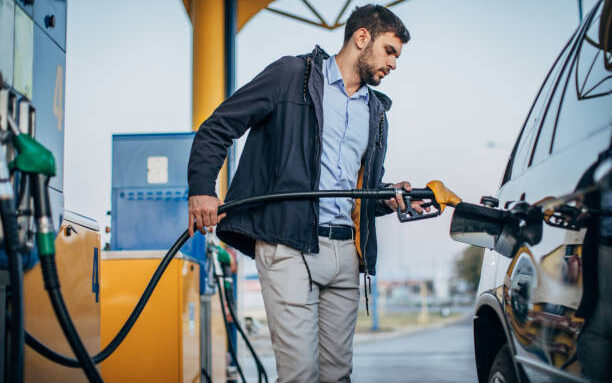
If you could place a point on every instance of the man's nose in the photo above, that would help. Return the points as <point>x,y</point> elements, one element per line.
<point>391,63</point>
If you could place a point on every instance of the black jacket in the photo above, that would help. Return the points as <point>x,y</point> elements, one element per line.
<point>283,107</point>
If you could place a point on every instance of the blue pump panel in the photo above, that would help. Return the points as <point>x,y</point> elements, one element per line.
<point>27,6</point>
<point>33,62</point>
<point>138,160</point>
<point>48,99</point>
<point>50,16</point>
<point>149,193</point>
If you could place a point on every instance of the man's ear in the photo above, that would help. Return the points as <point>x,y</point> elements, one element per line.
<point>361,38</point>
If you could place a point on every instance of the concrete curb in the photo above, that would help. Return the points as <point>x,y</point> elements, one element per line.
<point>262,344</point>
<point>371,337</point>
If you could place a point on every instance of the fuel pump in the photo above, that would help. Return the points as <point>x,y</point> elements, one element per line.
<point>36,165</point>
<point>10,237</point>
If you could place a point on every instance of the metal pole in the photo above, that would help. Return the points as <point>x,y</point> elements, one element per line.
<point>230,46</point>
<point>231,13</point>
<point>423,317</point>
<point>231,20</point>
<point>375,326</point>
<point>580,11</point>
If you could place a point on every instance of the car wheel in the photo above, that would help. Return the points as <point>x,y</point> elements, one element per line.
<point>502,370</point>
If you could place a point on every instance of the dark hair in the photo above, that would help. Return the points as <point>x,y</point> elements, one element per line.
<point>376,19</point>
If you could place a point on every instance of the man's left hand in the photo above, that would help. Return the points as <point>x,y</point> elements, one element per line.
<point>398,200</point>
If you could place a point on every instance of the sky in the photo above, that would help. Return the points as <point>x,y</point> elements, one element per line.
<point>462,88</point>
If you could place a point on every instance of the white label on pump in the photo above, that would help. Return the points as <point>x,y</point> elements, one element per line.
<point>157,170</point>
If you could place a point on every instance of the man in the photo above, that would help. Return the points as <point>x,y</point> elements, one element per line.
<point>314,125</point>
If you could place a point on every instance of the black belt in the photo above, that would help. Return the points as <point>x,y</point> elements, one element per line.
<point>341,232</point>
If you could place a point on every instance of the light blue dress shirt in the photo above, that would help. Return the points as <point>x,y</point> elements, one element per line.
<point>345,139</point>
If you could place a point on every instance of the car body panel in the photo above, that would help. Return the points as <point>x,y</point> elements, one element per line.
<point>488,272</point>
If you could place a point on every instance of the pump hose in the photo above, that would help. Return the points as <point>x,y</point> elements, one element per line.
<point>45,242</point>
<point>59,306</point>
<point>45,351</point>
<point>206,376</point>
<point>11,236</point>
<point>227,329</point>
<point>385,193</point>
<point>260,368</point>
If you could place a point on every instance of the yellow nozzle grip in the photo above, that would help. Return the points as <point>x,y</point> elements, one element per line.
<point>443,195</point>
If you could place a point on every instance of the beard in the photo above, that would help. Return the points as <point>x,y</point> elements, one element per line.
<point>367,72</point>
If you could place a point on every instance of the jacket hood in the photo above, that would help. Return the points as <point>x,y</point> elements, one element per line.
<point>318,54</point>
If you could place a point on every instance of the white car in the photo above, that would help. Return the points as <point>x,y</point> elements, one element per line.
<point>544,303</point>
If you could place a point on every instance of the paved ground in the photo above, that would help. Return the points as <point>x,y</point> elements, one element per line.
<point>436,355</point>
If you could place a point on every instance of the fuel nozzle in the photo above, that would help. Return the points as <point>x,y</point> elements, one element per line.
<point>435,195</point>
<point>225,261</point>
<point>37,162</point>
<point>443,195</point>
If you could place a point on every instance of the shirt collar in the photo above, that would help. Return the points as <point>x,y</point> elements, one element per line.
<point>333,75</point>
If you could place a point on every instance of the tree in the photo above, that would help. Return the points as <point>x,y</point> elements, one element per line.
<point>468,265</point>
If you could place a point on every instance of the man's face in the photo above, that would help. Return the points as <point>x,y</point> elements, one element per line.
<point>378,58</point>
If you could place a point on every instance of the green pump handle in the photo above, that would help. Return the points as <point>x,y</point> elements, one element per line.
<point>32,157</point>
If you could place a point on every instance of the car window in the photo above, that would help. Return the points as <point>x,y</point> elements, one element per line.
<point>544,138</point>
<point>587,101</point>
<point>522,150</point>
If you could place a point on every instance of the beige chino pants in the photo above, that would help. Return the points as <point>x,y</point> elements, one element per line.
<point>312,330</point>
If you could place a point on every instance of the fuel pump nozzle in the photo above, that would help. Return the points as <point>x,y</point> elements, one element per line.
<point>435,194</point>
<point>225,264</point>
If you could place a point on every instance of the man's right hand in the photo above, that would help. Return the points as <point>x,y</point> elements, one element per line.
<point>203,211</point>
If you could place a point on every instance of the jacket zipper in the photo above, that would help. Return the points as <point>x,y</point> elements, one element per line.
<point>317,175</point>
<point>318,151</point>
<point>365,244</point>
<point>380,130</point>
<point>380,124</point>
<point>366,276</point>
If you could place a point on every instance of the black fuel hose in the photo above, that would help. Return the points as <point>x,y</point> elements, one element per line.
<point>45,238</point>
<point>222,298</point>
<point>261,371</point>
<point>127,326</point>
<point>384,193</point>
<point>77,346</point>
<point>11,245</point>
<point>206,375</point>
<point>56,357</point>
